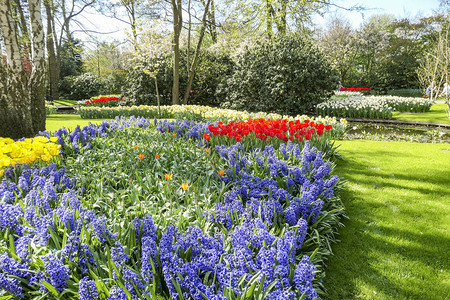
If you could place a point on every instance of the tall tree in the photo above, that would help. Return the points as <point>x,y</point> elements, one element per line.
<point>129,12</point>
<point>60,12</point>
<point>340,46</point>
<point>22,103</point>
<point>191,67</point>
<point>177,26</point>
<point>276,17</point>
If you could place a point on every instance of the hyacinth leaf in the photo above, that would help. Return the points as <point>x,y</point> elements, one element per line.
<point>331,212</point>
<point>124,289</point>
<point>249,293</point>
<point>101,286</point>
<point>177,287</point>
<point>55,238</point>
<point>112,266</point>
<point>66,291</point>
<point>6,297</point>
<point>313,255</point>
<point>206,277</point>
<point>204,296</point>
<point>12,247</point>
<point>24,281</point>
<point>267,290</point>
<point>153,289</point>
<point>50,288</point>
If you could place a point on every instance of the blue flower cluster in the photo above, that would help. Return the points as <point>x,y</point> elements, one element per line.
<point>87,289</point>
<point>39,209</point>
<point>81,138</point>
<point>265,185</point>
<point>270,190</point>
<point>184,128</point>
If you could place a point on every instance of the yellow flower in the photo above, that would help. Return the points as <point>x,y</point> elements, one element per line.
<point>5,161</point>
<point>184,186</point>
<point>40,139</point>
<point>54,139</point>
<point>7,140</point>
<point>46,157</point>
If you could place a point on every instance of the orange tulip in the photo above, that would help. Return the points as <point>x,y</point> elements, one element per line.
<point>141,156</point>
<point>168,176</point>
<point>184,186</point>
<point>221,173</point>
<point>135,147</point>
<point>157,156</point>
<point>207,150</point>
<point>174,135</point>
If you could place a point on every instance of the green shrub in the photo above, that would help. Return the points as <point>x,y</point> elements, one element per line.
<point>81,87</point>
<point>140,87</point>
<point>287,76</point>
<point>213,69</point>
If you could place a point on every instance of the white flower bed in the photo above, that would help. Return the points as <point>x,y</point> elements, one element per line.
<point>374,107</point>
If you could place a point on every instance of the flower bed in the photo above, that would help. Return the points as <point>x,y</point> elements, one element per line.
<point>406,104</point>
<point>379,107</point>
<point>204,113</point>
<point>26,151</point>
<point>102,101</point>
<point>347,93</point>
<point>344,89</point>
<point>355,107</point>
<point>154,215</point>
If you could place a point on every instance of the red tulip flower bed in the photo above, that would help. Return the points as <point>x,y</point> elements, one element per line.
<point>102,99</point>
<point>354,89</point>
<point>263,129</point>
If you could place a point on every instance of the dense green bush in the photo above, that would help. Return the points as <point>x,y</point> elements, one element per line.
<point>140,88</point>
<point>288,76</point>
<point>88,85</point>
<point>114,83</point>
<point>81,87</point>
<point>213,69</point>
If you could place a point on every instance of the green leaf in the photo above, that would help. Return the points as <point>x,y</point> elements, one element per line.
<point>50,288</point>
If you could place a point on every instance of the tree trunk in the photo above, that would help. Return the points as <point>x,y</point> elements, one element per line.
<point>15,105</point>
<point>212,20</point>
<point>52,60</point>
<point>280,18</point>
<point>177,25</point>
<point>269,11</point>
<point>37,81</point>
<point>197,52</point>
<point>23,25</point>
<point>133,25</point>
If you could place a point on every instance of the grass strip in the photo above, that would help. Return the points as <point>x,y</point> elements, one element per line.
<point>57,121</point>
<point>437,114</point>
<point>65,102</point>
<point>395,244</point>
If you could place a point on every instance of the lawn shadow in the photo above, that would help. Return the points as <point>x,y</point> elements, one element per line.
<point>368,250</point>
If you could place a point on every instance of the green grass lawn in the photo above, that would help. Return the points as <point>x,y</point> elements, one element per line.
<point>396,242</point>
<point>54,122</point>
<point>437,114</point>
<point>64,102</point>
